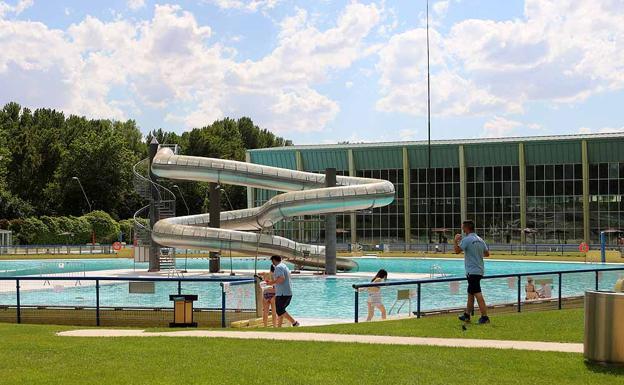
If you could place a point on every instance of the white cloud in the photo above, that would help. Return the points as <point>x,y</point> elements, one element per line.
<point>407,134</point>
<point>602,130</point>
<point>170,63</point>
<point>441,7</point>
<point>499,127</point>
<point>348,84</point>
<point>16,9</point>
<point>403,81</point>
<point>245,5</point>
<point>562,51</point>
<point>136,4</point>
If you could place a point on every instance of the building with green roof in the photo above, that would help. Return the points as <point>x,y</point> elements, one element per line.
<point>560,189</point>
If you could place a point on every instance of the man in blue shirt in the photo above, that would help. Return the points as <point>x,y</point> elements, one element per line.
<point>283,290</point>
<point>475,249</point>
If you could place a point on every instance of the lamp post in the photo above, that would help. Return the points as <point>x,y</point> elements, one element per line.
<point>227,196</point>
<point>188,212</point>
<point>88,203</point>
<point>83,192</point>
<point>428,138</point>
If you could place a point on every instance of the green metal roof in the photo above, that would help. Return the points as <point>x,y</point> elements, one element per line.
<point>444,153</point>
<point>524,139</point>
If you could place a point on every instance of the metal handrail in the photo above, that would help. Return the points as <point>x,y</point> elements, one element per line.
<point>420,282</point>
<point>133,279</point>
<point>453,279</point>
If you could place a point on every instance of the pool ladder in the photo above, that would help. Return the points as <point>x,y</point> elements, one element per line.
<point>436,272</point>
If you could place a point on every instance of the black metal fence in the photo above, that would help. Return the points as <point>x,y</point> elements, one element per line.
<point>504,248</point>
<point>56,249</point>
<point>102,301</point>
<point>420,283</point>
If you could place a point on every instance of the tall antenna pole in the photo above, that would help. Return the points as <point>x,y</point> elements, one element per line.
<point>428,138</point>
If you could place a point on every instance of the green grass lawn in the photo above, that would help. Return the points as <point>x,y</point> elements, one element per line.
<point>553,325</point>
<point>33,354</point>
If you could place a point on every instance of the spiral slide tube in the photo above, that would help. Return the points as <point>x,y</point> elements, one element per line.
<point>304,193</point>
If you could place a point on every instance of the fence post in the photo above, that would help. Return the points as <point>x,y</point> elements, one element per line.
<point>17,295</point>
<point>519,293</point>
<point>560,275</point>
<point>418,301</point>
<point>357,305</point>
<point>97,302</point>
<point>597,278</point>
<point>222,305</point>
<point>179,287</point>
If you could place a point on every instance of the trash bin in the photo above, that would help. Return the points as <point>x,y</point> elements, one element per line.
<point>604,327</point>
<point>183,310</point>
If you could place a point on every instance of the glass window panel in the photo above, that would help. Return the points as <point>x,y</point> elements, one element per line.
<point>549,188</point>
<point>549,172</point>
<point>448,174</point>
<point>470,174</point>
<point>498,189</point>
<point>515,173</point>
<point>507,173</point>
<point>613,170</point>
<point>489,174</point>
<point>539,172</point>
<point>439,175</point>
<point>479,174</point>
<point>539,188</point>
<point>558,171</point>
<point>593,171</point>
<point>569,171</point>
<point>578,171</point>
<point>603,170</point>
<point>498,173</point>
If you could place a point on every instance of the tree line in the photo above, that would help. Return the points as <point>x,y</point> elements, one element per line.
<point>42,151</point>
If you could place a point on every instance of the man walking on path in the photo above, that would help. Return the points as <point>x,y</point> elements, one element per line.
<point>474,249</point>
<point>283,290</point>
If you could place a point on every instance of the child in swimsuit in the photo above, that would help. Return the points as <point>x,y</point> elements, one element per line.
<point>374,296</point>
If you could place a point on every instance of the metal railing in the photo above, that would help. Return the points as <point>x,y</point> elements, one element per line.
<point>505,248</point>
<point>420,282</point>
<point>96,283</point>
<point>55,249</point>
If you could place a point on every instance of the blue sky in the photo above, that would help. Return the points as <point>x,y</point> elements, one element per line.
<point>322,71</point>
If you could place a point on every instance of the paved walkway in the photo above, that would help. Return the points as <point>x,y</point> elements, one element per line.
<point>347,338</point>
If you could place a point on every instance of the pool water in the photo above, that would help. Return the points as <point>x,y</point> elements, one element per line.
<point>313,297</point>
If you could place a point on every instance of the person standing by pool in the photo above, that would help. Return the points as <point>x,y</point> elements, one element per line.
<point>283,290</point>
<point>475,249</point>
<point>268,298</point>
<point>374,296</point>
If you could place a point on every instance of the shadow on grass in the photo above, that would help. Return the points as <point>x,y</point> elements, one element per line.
<point>614,370</point>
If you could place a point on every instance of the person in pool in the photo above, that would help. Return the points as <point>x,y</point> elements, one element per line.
<point>374,296</point>
<point>268,298</point>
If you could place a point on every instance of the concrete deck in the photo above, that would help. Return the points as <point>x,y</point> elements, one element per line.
<point>339,338</point>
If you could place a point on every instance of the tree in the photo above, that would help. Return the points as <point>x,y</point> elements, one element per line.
<point>105,228</point>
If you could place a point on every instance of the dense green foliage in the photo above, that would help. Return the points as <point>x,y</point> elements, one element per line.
<point>34,354</point>
<point>42,151</point>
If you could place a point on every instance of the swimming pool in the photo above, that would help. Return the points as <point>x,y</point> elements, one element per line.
<point>314,297</point>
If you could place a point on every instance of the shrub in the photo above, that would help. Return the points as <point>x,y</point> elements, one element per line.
<point>106,228</point>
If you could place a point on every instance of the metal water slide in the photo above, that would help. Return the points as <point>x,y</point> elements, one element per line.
<point>304,193</point>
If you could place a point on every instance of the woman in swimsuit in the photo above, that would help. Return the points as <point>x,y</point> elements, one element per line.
<point>374,296</point>
<point>268,299</point>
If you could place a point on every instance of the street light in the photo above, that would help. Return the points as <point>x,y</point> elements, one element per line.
<point>227,196</point>
<point>188,212</point>
<point>83,192</point>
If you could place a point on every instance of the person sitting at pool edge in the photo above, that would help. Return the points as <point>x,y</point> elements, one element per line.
<point>475,249</point>
<point>531,293</point>
<point>283,290</point>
